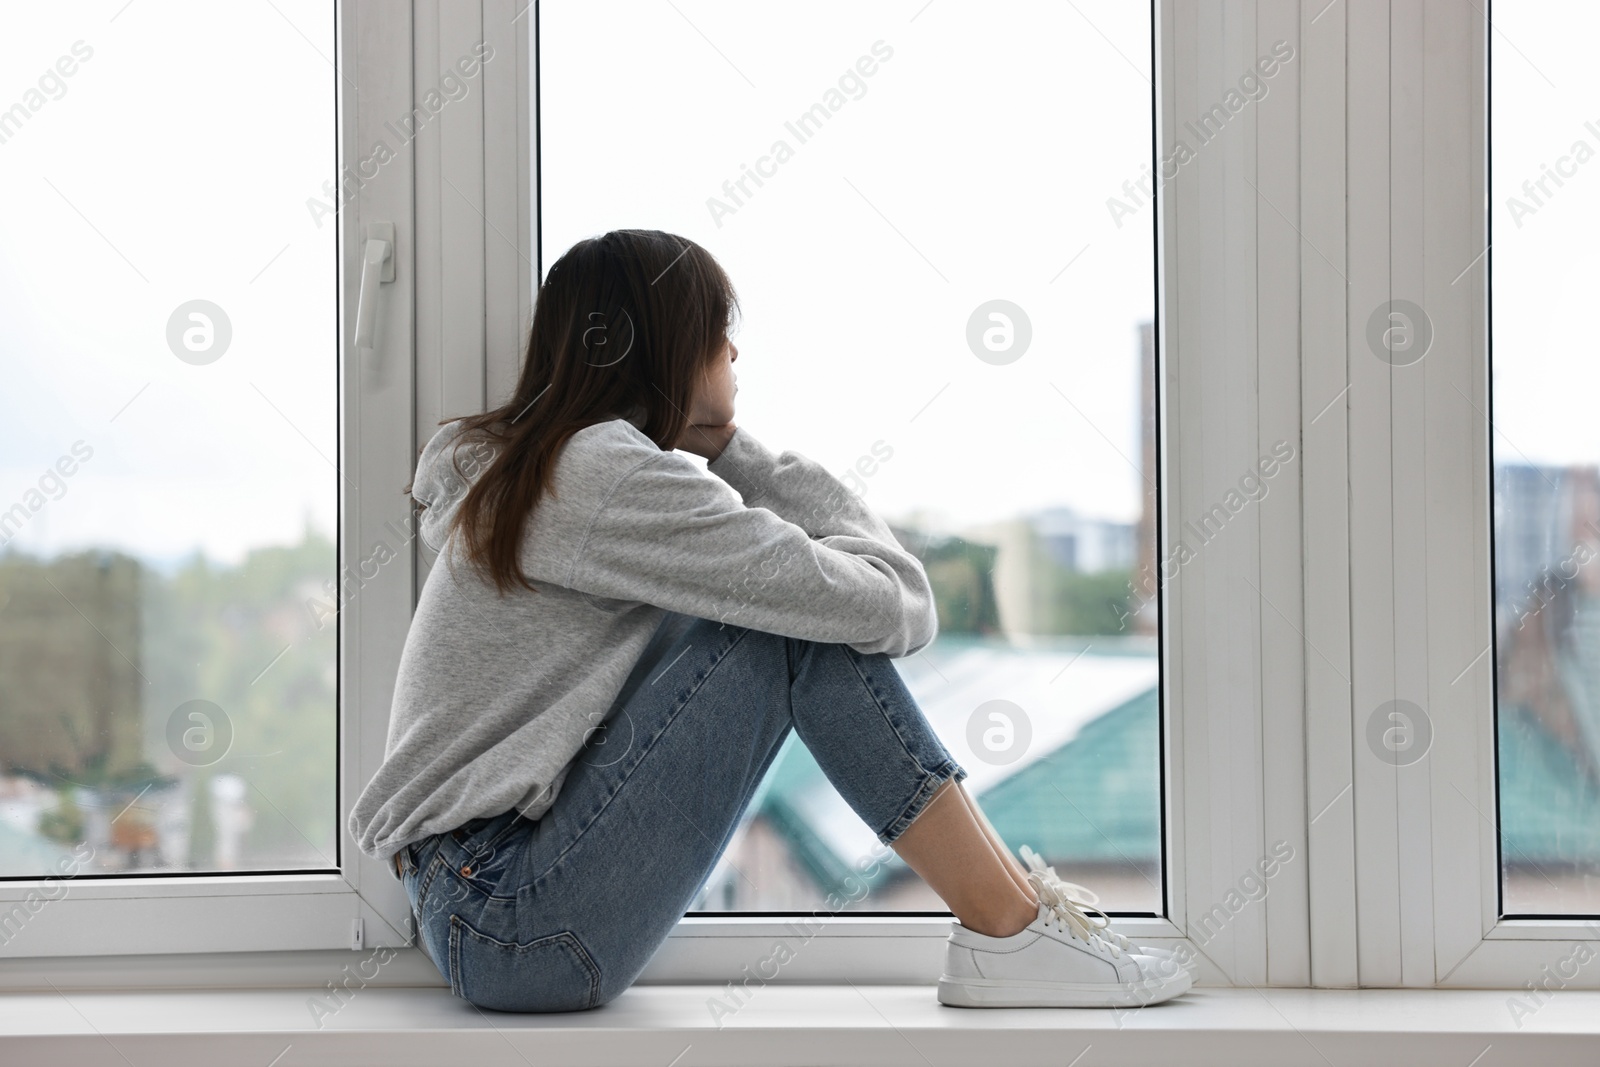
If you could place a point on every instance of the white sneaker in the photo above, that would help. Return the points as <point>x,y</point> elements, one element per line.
<point>1059,960</point>
<point>1087,901</point>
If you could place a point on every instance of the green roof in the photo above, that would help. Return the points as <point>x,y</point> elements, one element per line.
<point>1549,806</point>
<point>1095,799</point>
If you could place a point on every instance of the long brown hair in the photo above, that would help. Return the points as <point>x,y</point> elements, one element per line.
<point>624,322</point>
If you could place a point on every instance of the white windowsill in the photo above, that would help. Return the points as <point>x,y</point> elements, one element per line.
<point>814,1025</point>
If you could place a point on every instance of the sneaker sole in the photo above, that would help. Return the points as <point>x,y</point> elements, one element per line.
<point>1007,993</point>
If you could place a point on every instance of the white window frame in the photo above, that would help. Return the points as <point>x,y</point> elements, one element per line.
<point>1361,576</point>
<point>137,930</point>
<point>1393,147</point>
<point>461,198</point>
<point>1428,853</point>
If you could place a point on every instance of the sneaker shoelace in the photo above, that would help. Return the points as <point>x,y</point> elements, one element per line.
<point>1063,913</point>
<point>1082,900</point>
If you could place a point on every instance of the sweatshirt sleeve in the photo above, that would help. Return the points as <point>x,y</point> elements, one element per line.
<point>801,556</point>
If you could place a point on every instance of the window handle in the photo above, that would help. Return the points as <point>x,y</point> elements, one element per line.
<point>377,266</point>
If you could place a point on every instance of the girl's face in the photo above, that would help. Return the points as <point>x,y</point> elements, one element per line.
<point>712,404</point>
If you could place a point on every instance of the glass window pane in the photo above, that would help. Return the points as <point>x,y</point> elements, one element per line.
<point>168,494</point>
<point>939,224</point>
<point>1544,213</point>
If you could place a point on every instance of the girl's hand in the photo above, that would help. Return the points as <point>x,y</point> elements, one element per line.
<point>707,441</point>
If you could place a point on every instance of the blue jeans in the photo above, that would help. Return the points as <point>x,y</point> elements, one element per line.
<point>562,913</point>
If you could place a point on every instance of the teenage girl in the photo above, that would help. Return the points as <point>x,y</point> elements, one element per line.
<point>594,684</point>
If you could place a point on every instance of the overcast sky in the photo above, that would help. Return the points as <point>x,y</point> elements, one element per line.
<point>975,166</point>
<point>174,166</point>
<point>1546,91</point>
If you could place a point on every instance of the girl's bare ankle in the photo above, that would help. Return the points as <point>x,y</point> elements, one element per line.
<point>1004,923</point>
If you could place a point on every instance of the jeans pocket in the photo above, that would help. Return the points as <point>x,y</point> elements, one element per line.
<point>553,973</point>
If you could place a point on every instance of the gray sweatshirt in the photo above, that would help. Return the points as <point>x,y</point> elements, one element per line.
<point>496,694</point>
